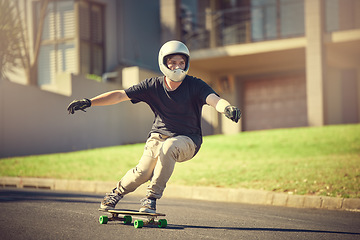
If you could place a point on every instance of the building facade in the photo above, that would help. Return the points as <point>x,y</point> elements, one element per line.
<point>285,63</point>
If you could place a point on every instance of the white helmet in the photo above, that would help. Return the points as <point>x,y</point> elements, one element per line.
<point>170,48</point>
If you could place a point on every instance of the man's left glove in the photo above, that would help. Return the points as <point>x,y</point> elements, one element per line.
<point>79,105</point>
<point>232,113</point>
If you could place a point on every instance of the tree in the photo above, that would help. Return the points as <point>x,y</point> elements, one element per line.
<point>14,41</point>
<point>9,38</point>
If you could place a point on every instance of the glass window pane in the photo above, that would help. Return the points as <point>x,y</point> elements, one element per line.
<point>84,21</point>
<point>97,60</point>
<point>66,58</point>
<point>65,19</point>
<point>263,19</point>
<point>49,23</point>
<point>292,20</point>
<point>46,65</point>
<point>96,23</point>
<point>331,15</point>
<point>85,57</point>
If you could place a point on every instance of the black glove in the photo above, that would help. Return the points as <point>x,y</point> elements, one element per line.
<point>232,113</point>
<point>79,105</point>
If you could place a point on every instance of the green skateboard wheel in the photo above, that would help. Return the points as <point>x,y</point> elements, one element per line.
<point>127,219</point>
<point>138,224</point>
<point>103,219</point>
<point>162,223</point>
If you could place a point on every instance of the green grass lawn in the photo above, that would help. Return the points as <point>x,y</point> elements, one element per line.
<point>317,161</point>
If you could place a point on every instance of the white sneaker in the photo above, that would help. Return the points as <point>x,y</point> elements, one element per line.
<point>110,200</point>
<point>148,205</point>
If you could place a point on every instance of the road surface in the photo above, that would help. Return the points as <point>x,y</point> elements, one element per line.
<point>45,214</point>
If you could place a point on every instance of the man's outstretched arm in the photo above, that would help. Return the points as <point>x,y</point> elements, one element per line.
<point>108,98</point>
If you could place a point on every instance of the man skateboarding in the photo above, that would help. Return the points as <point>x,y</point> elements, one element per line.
<point>176,99</point>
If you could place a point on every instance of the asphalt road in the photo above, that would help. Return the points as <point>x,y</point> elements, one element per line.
<point>34,214</point>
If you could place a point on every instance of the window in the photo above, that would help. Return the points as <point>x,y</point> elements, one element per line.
<point>59,52</point>
<point>264,19</point>
<point>91,25</point>
<point>342,15</point>
<point>292,20</point>
<point>275,19</point>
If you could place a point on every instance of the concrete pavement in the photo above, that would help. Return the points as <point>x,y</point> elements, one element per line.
<point>199,193</point>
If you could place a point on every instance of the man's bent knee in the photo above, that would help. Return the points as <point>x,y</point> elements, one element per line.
<point>180,148</point>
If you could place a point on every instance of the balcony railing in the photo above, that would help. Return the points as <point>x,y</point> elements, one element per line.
<point>262,21</point>
<point>284,19</point>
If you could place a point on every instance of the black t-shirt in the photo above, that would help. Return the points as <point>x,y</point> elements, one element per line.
<point>176,112</point>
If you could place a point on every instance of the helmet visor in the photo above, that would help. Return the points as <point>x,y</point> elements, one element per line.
<point>168,57</point>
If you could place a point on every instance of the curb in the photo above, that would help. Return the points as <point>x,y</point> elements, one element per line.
<point>240,195</point>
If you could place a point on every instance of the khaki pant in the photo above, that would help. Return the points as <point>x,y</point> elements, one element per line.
<point>157,163</point>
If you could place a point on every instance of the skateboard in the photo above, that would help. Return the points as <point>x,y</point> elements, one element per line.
<point>126,216</point>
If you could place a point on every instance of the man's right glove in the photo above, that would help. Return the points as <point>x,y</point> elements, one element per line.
<point>232,113</point>
<point>79,105</point>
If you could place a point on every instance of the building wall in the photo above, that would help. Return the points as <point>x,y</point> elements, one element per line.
<point>34,121</point>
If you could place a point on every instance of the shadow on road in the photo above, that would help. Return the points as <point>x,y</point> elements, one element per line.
<point>14,195</point>
<point>20,195</point>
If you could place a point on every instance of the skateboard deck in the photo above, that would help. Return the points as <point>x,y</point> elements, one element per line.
<point>126,216</point>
